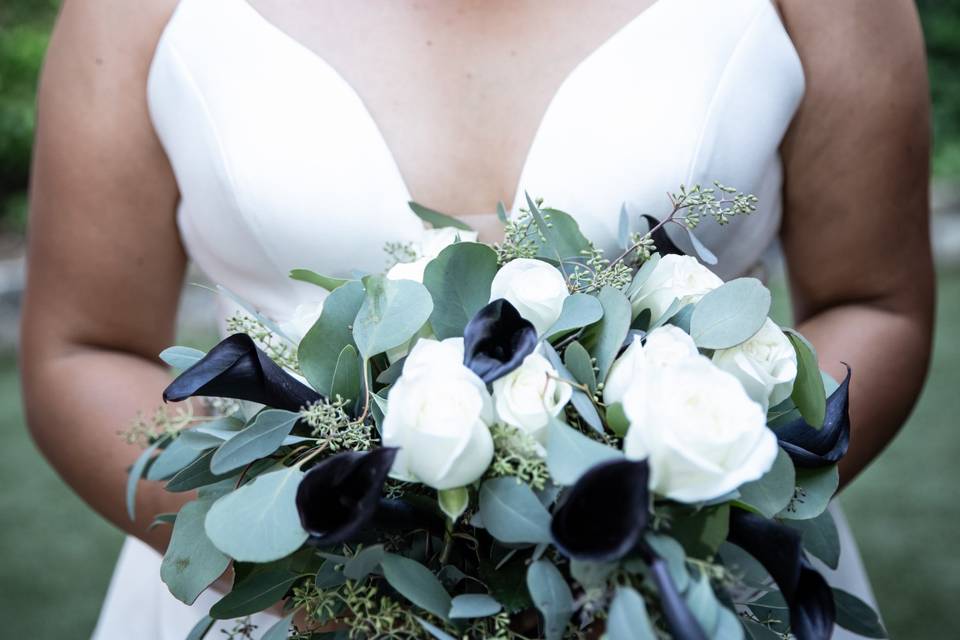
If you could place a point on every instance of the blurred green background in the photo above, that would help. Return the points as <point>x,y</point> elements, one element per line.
<point>56,555</point>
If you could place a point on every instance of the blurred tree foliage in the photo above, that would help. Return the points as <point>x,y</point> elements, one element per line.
<point>24,32</point>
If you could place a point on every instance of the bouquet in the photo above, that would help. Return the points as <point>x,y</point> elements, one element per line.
<point>523,440</point>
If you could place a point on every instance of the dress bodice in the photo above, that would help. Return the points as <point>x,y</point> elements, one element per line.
<point>280,165</point>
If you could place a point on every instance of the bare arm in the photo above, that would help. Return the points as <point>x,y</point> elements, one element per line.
<point>856,234</point>
<point>105,263</point>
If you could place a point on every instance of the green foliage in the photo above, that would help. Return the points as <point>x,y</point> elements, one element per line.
<point>191,562</point>
<point>628,619</point>
<point>551,596</point>
<point>512,513</point>
<point>730,314</point>
<point>570,453</point>
<point>459,281</point>
<point>772,493</point>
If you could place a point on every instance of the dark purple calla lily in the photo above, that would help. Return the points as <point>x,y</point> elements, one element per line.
<point>810,447</point>
<point>681,622</point>
<point>604,515</point>
<point>496,340</point>
<point>778,548</point>
<point>339,498</point>
<point>661,239</point>
<point>236,368</point>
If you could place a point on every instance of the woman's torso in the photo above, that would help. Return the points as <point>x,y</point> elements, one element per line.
<point>298,133</point>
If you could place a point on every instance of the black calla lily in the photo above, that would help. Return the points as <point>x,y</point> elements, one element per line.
<point>604,515</point>
<point>339,498</point>
<point>778,548</point>
<point>496,340</point>
<point>236,368</point>
<point>810,447</point>
<point>661,239</point>
<point>682,623</point>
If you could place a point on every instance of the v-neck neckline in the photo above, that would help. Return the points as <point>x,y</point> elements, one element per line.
<point>518,200</point>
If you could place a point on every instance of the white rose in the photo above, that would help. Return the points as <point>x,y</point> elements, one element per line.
<point>432,242</point>
<point>674,277</point>
<point>301,320</point>
<point>664,345</point>
<point>529,395</point>
<point>702,434</point>
<point>766,365</point>
<point>534,287</point>
<point>438,414</point>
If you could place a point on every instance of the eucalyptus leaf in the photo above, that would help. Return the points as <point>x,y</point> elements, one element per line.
<point>459,282</point>
<point>136,472</point>
<point>643,274</point>
<point>176,456</point>
<point>773,492</point>
<point>362,564</point>
<point>623,228</point>
<point>703,252</point>
<point>181,357</point>
<point>605,338</point>
<point>320,349</point>
<point>258,592</point>
<point>324,282</point>
<point>551,596</point>
<point>347,379</point>
<point>703,604</point>
<point>809,394</point>
<point>391,313</point>
<point>815,488</point>
<point>730,314</point>
<point>433,630</point>
<point>728,626</point>
<point>201,629</point>
<point>580,401</point>
<point>416,583</point>
<point>191,563</point>
<point>676,558</point>
<point>436,219</point>
<point>579,310</point>
<point>264,436</point>
<point>259,521</point>
<point>853,614</point>
<point>579,364</point>
<point>627,618</point>
<point>820,537</point>
<point>559,236</point>
<point>195,475</point>
<point>280,630</point>
<point>570,453</point>
<point>474,605</point>
<point>591,574</point>
<point>617,419</point>
<point>512,513</point>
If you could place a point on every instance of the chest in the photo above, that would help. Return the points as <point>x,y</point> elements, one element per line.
<point>458,88</point>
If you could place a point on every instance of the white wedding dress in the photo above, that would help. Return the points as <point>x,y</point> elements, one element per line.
<point>281,166</point>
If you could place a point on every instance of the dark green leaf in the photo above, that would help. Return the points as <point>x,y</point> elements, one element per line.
<point>701,532</point>
<point>347,379</point>
<point>258,592</point>
<point>360,565</point>
<point>853,614</point>
<point>176,456</point>
<point>815,488</point>
<point>436,219</point>
<point>820,537</point>
<point>808,394</point>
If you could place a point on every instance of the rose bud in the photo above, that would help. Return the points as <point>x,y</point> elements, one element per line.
<point>536,289</point>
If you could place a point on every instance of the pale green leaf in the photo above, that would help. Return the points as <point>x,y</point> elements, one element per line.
<point>730,314</point>
<point>416,583</point>
<point>320,349</point>
<point>511,512</point>
<point>191,562</point>
<point>264,436</point>
<point>627,618</point>
<point>551,596</point>
<point>459,281</point>
<point>391,313</point>
<point>571,453</point>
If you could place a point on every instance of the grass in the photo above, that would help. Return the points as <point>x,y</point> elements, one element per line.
<point>57,555</point>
